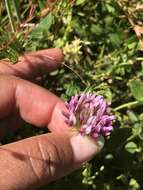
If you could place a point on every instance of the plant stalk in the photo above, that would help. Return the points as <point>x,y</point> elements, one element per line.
<point>129,105</point>
<point>17,11</point>
<point>10,16</point>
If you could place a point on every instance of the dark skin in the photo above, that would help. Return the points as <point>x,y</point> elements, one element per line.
<point>33,162</point>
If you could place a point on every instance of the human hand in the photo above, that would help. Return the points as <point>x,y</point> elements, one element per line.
<point>35,161</point>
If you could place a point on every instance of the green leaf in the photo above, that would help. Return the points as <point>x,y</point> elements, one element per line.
<point>96,29</point>
<point>71,89</point>
<point>137,129</point>
<point>86,172</point>
<point>11,54</point>
<point>108,20</point>
<point>115,39</point>
<point>132,116</point>
<point>136,88</point>
<point>110,8</point>
<point>134,184</point>
<point>43,26</point>
<point>132,45</point>
<point>131,147</point>
<point>79,2</point>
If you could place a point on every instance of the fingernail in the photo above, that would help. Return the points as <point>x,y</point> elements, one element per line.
<point>50,58</point>
<point>54,55</point>
<point>85,147</point>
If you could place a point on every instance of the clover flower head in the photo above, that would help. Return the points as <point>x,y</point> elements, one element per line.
<point>90,114</point>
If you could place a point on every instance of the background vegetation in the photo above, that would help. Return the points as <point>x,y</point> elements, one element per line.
<point>102,43</point>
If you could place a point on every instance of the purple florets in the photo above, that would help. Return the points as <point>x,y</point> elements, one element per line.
<point>89,113</point>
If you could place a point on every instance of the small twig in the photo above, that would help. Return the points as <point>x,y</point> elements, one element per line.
<point>10,16</point>
<point>75,73</point>
<point>127,14</point>
<point>17,12</point>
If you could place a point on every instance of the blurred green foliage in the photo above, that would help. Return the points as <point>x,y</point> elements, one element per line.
<point>102,55</point>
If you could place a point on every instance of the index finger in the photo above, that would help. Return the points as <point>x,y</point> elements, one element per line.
<point>33,64</point>
<point>35,104</point>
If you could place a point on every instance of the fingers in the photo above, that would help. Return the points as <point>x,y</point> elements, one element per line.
<point>30,67</point>
<point>35,104</point>
<point>33,162</point>
<point>33,64</point>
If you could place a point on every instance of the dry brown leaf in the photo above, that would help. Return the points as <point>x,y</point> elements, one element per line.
<point>139,7</point>
<point>138,30</point>
<point>1,8</point>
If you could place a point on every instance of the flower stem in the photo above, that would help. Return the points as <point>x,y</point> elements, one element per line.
<point>75,74</point>
<point>10,16</point>
<point>129,105</point>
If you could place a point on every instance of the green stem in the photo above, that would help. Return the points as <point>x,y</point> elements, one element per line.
<point>129,105</point>
<point>10,16</point>
<point>17,11</point>
<point>75,74</point>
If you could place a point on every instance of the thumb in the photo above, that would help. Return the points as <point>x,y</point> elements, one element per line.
<point>36,161</point>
